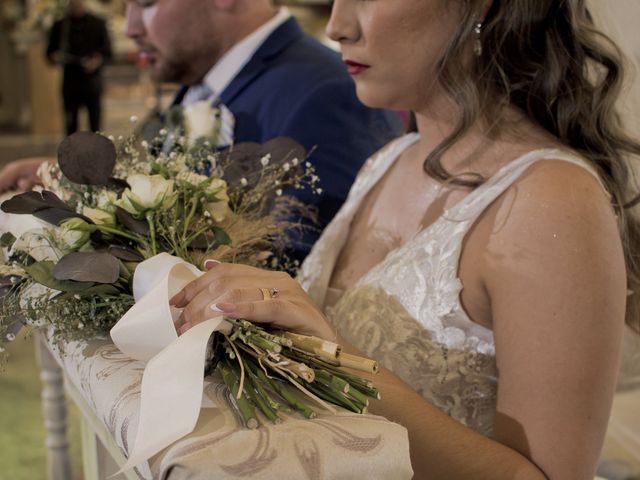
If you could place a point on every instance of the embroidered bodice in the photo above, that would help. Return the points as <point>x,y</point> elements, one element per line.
<point>406,311</point>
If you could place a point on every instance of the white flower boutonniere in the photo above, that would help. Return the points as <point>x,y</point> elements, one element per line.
<point>201,120</point>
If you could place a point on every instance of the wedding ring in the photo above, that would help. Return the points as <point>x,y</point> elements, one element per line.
<point>266,294</point>
<point>269,293</point>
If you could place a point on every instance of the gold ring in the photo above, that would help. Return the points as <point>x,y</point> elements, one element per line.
<point>266,293</point>
<point>269,293</point>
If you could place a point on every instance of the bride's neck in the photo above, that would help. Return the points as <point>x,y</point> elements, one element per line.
<point>440,119</point>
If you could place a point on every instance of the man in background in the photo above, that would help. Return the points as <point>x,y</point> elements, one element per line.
<point>80,43</point>
<point>255,60</point>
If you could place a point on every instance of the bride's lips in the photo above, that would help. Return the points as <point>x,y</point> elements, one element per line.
<point>355,68</point>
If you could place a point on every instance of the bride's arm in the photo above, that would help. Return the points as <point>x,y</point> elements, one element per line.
<point>554,275</point>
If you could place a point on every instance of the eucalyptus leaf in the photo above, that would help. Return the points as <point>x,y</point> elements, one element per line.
<point>221,236</point>
<point>44,205</point>
<point>7,239</point>
<point>99,290</point>
<point>240,160</point>
<point>29,202</point>
<point>118,183</point>
<point>87,158</point>
<point>125,253</point>
<point>42,273</point>
<point>130,222</point>
<point>97,267</point>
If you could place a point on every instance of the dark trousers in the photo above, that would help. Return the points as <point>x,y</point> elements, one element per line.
<point>73,100</point>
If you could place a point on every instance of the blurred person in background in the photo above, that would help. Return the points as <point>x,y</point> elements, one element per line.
<point>80,43</point>
<point>254,59</point>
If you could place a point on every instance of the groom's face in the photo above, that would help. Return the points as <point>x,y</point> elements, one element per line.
<point>180,39</point>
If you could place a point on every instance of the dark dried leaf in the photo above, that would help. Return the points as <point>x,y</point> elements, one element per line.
<point>44,205</point>
<point>118,183</point>
<point>56,216</point>
<point>125,253</point>
<point>97,267</point>
<point>30,202</point>
<point>42,272</point>
<point>242,160</point>
<point>7,239</point>
<point>284,149</point>
<point>87,158</point>
<point>130,222</point>
<point>200,242</point>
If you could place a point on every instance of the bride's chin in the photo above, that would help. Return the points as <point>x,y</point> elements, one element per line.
<point>381,98</point>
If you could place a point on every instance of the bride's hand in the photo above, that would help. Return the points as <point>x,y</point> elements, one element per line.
<point>240,291</point>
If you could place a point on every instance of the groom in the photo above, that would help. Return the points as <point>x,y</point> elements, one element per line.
<point>276,81</point>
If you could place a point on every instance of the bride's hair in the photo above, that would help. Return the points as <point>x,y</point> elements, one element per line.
<point>546,58</point>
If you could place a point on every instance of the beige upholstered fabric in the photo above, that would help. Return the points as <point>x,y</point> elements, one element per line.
<point>329,447</point>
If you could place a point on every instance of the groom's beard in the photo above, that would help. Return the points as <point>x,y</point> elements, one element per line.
<point>184,69</point>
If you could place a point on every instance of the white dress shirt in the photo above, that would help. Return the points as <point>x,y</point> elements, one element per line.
<point>226,69</point>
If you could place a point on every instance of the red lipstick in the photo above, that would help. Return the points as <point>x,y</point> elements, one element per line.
<point>355,68</point>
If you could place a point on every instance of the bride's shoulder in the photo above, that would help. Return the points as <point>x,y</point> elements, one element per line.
<point>559,209</point>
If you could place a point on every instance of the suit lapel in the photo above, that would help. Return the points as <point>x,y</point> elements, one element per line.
<point>177,100</point>
<point>284,35</point>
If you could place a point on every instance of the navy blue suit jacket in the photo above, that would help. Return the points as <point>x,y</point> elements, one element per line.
<point>296,87</point>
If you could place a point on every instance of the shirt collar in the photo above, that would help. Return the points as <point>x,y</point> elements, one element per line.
<point>226,69</point>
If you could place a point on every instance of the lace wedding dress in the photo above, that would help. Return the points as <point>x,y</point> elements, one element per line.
<point>406,311</point>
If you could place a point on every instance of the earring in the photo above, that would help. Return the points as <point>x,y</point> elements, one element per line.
<point>477,46</point>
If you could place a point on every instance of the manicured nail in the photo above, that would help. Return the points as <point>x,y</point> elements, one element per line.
<point>184,328</point>
<point>210,263</point>
<point>214,308</point>
<point>177,298</point>
<point>224,307</point>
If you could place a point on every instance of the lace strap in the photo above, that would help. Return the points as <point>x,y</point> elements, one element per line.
<point>472,206</point>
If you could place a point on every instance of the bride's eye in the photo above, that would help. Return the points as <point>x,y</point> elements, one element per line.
<point>145,3</point>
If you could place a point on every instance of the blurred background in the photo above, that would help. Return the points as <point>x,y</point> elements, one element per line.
<point>31,124</point>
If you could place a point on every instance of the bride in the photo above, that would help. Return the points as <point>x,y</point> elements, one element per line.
<point>484,259</point>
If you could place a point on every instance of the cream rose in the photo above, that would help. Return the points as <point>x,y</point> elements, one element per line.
<point>147,192</point>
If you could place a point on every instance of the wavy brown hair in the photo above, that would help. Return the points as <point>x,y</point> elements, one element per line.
<point>546,58</point>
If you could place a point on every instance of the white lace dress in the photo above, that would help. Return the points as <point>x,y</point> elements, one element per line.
<point>406,311</point>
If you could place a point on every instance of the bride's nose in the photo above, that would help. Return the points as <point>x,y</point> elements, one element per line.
<point>343,24</point>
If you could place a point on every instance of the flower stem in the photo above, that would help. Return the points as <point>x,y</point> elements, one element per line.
<point>115,231</point>
<point>152,232</point>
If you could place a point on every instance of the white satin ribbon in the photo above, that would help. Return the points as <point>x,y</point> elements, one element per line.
<point>173,379</point>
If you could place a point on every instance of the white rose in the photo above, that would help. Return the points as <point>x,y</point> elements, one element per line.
<point>72,234</point>
<point>99,216</point>
<point>107,200</point>
<point>192,178</point>
<point>147,192</point>
<point>219,210</point>
<point>200,121</point>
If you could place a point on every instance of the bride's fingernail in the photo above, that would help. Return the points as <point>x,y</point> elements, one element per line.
<point>184,328</point>
<point>210,263</point>
<point>223,307</point>
<point>214,308</point>
<point>177,298</point>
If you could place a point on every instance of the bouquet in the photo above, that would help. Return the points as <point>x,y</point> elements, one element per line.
<point>104,209</point>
